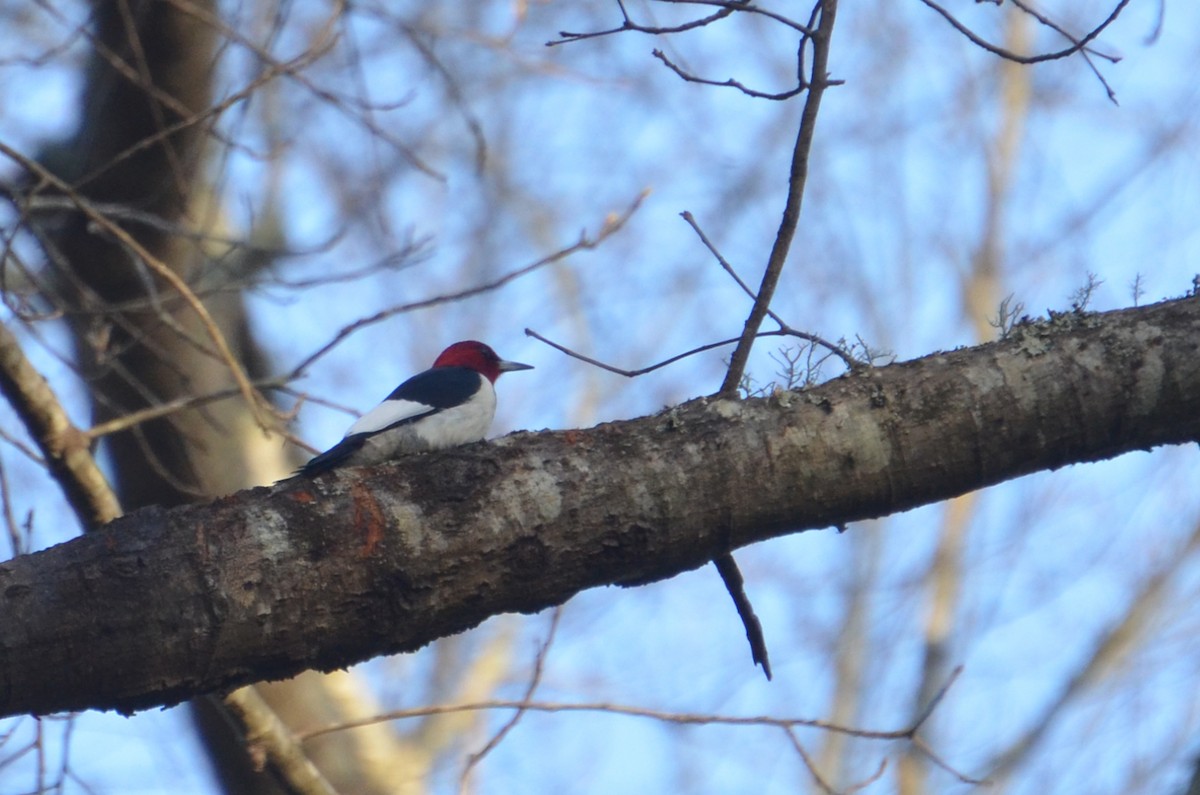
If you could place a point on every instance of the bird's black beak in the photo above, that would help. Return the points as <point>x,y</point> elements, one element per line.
<point>508,367</point>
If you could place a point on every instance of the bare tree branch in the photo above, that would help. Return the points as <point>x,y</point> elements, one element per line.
<point>818,81</point>
<point>65,449</point>
<point>222,349</point>
<point>837,350</point>
<point>64,446</point>
<point>649,368</point>
<point>324,573</point>
<point>1077,45</point>
<point>688,77</point>
<point>535,679</point>
<point>612,224</point>
<point>908,732</point>
<point>267,738</point>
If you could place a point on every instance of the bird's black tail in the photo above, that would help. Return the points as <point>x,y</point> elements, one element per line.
<point>334,457</point>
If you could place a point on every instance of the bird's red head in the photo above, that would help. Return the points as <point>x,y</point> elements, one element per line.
<point>478,357</point>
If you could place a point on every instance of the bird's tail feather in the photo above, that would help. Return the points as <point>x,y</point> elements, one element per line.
<point>334,457</point>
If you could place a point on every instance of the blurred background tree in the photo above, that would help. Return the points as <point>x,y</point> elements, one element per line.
<point>307,171</point>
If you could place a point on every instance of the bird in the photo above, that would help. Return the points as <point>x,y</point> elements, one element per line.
<point>450,404</point>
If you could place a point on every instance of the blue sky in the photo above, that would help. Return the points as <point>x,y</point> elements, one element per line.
<point>891,219</point>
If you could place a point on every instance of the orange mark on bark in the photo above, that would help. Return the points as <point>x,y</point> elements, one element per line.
<point>304,497</point>
<point>368,518</point>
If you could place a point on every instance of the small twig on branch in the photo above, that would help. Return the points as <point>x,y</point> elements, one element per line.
<point>726,7</point>
<point>933,702</point>
<point>678,718</point>
<point>924,748</point>
<point>732,577</point>
<point>643,370</point>
<point>1076,45</point>
<point>851,363</point>
<point>745,7</point>
<point>628,24</point>
<point>730,83</point>
<point>1085,52</point>
<point>820,781</point>
<point>19,546</point>
<point>612,224</point>
<point>539,664</point>
<point>1060,30</point>
<point>254,401</point>
<point>126,421</point>
<point>22,447</point>
<point>866,782</point>
<point>826,12</point>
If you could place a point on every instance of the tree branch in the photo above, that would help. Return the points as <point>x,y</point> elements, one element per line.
<point>797,178</point>
<point>69,460</point>
<point>325,573</point>
<point>65,446</point>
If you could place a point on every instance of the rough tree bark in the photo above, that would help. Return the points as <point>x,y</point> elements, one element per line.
<point>165,604</point>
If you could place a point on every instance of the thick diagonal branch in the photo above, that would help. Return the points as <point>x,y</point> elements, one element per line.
<point>324,573</point>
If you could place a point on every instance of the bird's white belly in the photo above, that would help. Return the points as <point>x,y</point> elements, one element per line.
<point>451,427</point>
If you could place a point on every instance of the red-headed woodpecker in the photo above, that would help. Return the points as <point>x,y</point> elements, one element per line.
<point>449,404</point>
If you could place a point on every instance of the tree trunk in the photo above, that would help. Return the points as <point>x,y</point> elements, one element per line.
<point>139,153</point>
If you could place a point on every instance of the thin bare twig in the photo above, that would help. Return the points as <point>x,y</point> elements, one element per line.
<point>726,7</point>
<point>826,13</point>
<point>747,8</point>
<point>729,83</point>
<point>924,714</point>
<point>924,748</point>
<point>1085,52</point>
<point>808,762</point>
<point>126,421</point>
<point>611,225</point>
<point>23,448</point>
<point>253,399</point>
<point>843,354</point>
<point>678,718</point>
<point>1009,55</point>
<point>539,664</point>
<point>866,782</point>
<point>643,370</point>
<point>627,23</point>
<point>10,518</point>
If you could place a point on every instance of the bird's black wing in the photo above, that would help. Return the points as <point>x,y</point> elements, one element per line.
<point>439,389</point>
<point>442,387</point>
